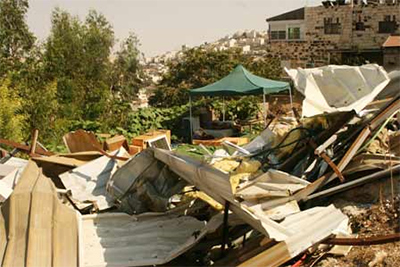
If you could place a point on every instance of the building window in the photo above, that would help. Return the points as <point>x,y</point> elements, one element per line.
<point>331,27</point>
<point>360,26</point>
<point>388,25</point>
<point>278,35</point>
<point>294,33</point>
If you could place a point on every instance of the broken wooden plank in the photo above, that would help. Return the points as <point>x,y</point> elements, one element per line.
<point>25,148</point>
<point>352,151</point>
<point>143,140</point>
<point>35,135</point>
<point>80,141</point>
<point>115,143</point>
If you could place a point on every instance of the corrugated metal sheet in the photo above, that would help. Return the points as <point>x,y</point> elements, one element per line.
<point>8,177</point>
<point>36,229</point>
<point>338,88</point>
<point>88,182</point>
<point>117,239</point>
<point>216,184</point>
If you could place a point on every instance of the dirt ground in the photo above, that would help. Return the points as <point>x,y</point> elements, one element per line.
<point>366,220</point>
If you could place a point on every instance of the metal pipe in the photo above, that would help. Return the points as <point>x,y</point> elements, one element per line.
<point>225,228</point>
<point>265,111</point>
<point>355,183</point>
<point>223,108</point>
<point>363,241</point>
<point>190,119</point>
<point>291,101</point>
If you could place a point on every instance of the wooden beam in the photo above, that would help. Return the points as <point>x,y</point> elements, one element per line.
<point>38,150</point>
<point>35,135</point>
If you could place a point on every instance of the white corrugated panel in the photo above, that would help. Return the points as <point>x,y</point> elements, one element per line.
<point>118,239</point>
<point>338,88</point>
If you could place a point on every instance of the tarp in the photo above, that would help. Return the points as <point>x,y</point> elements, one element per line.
<point>241,82</point>
<point>338,88</point>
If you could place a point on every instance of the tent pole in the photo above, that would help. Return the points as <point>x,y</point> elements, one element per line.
<point>291,101</point>
<point>265,111</point>
<point>190,119</point>
<point>223,108</point>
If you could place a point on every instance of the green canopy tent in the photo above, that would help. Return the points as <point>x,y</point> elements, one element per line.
<point>240,82</point>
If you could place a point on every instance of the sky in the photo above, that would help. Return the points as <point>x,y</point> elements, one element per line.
<point>166,25</point>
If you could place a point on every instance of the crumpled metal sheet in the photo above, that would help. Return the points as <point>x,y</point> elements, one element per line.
<point>88,182</point>
<point>144,184</point>
<point>338,88</point>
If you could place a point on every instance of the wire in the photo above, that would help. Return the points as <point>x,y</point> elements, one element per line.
<point>266,153</point>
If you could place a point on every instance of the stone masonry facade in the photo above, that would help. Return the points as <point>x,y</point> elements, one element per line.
<point>336,31</point>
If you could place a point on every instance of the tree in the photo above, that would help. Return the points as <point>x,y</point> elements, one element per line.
<point>77,56</point>
<point>198,67</point>
<point>39,93</point>
<point>11,119</point>
<point>63,61</point>
<point>15,38</point>
<point>98,41</point>
<point>127,74</point>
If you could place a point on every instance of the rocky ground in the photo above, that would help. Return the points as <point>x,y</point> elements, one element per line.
<point>366,220</point>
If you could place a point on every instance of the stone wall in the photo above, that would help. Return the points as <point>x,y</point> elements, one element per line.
<point>318,48</point>
<point>348,17</point>
<point>391,58</point>
<point>301,53</point>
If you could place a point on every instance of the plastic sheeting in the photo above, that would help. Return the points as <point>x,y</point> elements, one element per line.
<point>338,88</point>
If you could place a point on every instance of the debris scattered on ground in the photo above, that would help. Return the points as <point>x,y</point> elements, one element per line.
<point>307,191</point>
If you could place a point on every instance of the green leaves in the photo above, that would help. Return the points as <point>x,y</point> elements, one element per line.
<point>77,56</point>
<point>236,108</point>
<point>11,119</point>
<point>198,67</point>
<point>15,38</point>
<point>127,73</point>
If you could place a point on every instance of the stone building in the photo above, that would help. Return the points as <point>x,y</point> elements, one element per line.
<point>391,53</point>
<point>336,32</point>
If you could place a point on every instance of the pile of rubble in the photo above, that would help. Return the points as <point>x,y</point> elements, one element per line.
<point>282,199</point>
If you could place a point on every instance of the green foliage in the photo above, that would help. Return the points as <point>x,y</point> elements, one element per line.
<point>198,67</point>
<point>237,108</point>
<point>144,120</point>
<point>67,83</point>
<point>77,56</point>
<point>127,73</point>
<point>11,120</point>
<point>122,120</point>
<point>38,92</point>
<point>15,38</point>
